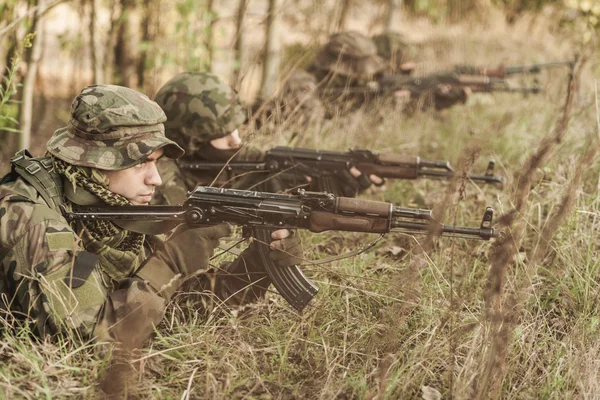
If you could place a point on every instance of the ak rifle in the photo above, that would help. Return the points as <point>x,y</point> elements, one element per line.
<point>327,164</point>
<point>390,84</point>
<point>260,213</point>
<point>504,71</point>
<point>431,82</point>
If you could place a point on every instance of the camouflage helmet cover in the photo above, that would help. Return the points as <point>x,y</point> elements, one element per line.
<point>199,108</point>
<point>394,47</point>
<point>112,128</point>
<point>350,53</point>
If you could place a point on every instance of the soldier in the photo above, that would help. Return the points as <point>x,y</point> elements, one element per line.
<point>347,59</point>
<point>396,51</point>
<point>399,55</point>
<point>95,277</point>
<point>204,116</point>
<point>295,110</point>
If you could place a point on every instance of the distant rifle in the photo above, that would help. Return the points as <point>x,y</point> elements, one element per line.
<point>431,82</point>
<point>326,165</point>
<point>505,71</point>
<point>260,213</point>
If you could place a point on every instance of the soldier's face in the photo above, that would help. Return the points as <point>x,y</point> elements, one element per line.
<point>137,184</point>
<point>229,142</point>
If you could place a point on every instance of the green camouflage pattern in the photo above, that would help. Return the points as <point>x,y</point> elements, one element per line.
<point>199,108</point>
<point>112,128</point>
<point>351,54</point>
<point>394,48</point>
<point>41,283</point>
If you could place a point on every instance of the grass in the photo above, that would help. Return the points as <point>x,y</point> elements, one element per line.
<point>388,326</point>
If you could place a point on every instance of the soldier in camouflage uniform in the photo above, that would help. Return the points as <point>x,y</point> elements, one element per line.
<point>203,116</point>
<point>396,51</point>
<point>399,55</point>
<point>295,110</point>
<point>347,59</point>
<point>95,277</point>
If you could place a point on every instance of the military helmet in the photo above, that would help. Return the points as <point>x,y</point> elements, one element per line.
<point>199,108</point>
<point>393,47</point>
<point>351,54</point>
<point>112,128</point>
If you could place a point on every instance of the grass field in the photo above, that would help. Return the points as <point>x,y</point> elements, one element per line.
<point>517,318</point>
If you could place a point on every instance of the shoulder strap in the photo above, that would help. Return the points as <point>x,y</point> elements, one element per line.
<point>38,173</point>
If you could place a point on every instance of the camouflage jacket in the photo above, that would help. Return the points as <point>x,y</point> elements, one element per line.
<point>50,281</point>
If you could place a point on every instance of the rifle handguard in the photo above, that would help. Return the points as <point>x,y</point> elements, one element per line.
<point>370,207</point>
<point>321,221</point>
<point>397,166</point>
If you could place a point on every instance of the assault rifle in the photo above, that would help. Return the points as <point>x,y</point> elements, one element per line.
<point>503,71</point>
<point>261,212</point>
<point>418,85</point>
<point>325,165</point>
<point>430,82</point>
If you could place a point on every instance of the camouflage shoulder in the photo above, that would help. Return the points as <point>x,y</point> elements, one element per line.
<point>22,208</point>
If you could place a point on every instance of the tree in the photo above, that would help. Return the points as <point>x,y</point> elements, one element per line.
<point>97,74</point>
<point>272,58</point>
<point>29,82</point>
<point>238,44</point>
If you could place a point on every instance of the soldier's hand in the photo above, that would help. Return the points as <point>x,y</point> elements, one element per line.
<point>286,249</point>
<point>447,95</point>
<point>189,250</point>
<point>372,177</point>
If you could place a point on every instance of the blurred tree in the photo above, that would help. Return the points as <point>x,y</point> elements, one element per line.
<point>26,111</point>
<point>272,57</point>
<point>123,70</point>
<point>238,44</point>
<point>148,37</point>
<point>97,74</point>
<point>340,13</point>
<point>393,8</point>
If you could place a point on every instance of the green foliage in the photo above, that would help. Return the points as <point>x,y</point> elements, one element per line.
<point>9,87</point>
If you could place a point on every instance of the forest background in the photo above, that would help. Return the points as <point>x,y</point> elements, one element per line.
<point>412,318</point>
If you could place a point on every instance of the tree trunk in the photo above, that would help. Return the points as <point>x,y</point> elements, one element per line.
<point>238,44</point>
<point>393,10</point>
<point>343,12</point>
<point>272,58</point>
<point>210,15</point>
<point>29,82</point>
<point>124,63</point>
<point>97,74</point>
<point>111,39</point>
<point>146,40</point>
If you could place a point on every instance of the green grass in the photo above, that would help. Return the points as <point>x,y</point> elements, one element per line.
<point>385,326</point>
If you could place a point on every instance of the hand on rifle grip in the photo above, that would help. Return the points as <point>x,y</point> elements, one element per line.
<point>287,249</point>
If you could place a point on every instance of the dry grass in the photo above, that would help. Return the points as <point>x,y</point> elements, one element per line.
<point>517,319</point>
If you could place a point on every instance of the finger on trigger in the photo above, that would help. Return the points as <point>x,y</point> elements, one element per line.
<point>355,172</point>
<point>375,179</point>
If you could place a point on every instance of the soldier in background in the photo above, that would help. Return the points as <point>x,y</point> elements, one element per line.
<point>400,56</point>
<point>97,278</point>
<point>295,110</point>
<point>204,116</point>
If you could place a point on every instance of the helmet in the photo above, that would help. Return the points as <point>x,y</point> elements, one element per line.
<point>351,54</point>
<point>112,128</point>
<point>199,108</point>
<point>394,48</point>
